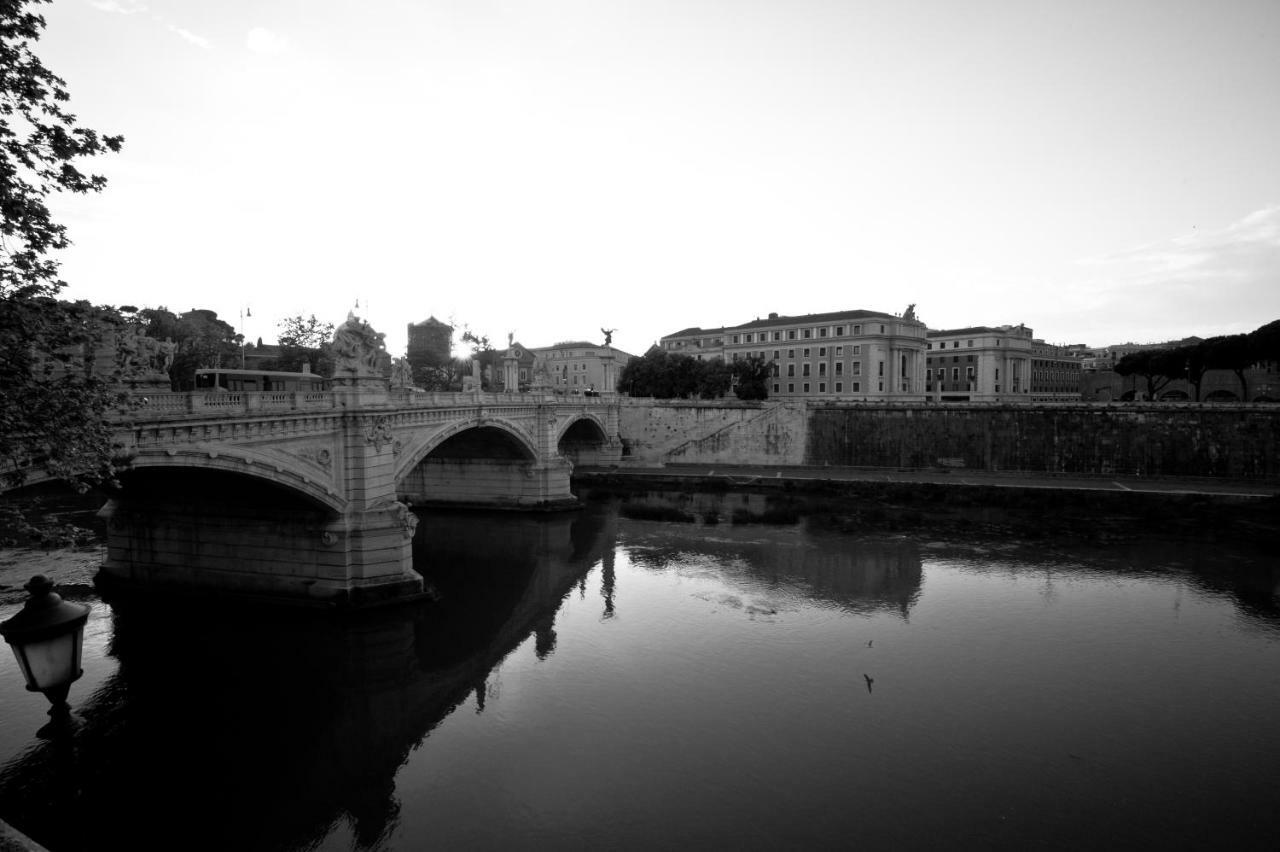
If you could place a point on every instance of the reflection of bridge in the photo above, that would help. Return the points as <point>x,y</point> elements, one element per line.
<point>292,727</point>
<point>304,494</point>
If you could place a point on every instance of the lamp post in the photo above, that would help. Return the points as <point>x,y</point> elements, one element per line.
<point>46,636</point>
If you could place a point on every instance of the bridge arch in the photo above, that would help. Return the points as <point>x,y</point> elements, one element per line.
<point>583,440</point>
<point>481,462</point>
<point>225,523</point>
<point>246,463</point>
<point>499,434</point>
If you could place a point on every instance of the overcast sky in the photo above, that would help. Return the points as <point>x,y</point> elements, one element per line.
<point>1101,171</point>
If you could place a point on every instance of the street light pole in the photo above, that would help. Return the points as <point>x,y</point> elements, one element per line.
<point>46,636</point>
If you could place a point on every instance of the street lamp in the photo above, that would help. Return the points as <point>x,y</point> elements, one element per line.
<point>46,636</point>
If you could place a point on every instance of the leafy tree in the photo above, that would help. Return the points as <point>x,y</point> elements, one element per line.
<point>1195,360</point>
<point>304,341</point>
<point>482,350</point>
<point>1265,341</point>
<point>40,144</point>
<point>1232,352</point>
<point>59,382</point>
<point>203,341</point>
<point>54,394</point>
<point>661,375</point>
<point>1158,367</point>
<point>751,377</point>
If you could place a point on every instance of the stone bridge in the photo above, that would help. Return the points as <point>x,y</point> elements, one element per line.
<point>306,495</point>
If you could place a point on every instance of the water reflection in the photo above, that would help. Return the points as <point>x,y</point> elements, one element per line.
<point>772,548</point>
<point>228,730</point>
<point>754,685</point>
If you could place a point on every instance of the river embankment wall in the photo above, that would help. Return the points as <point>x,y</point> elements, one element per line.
<point>1228,441</point>
<point>657,432</point>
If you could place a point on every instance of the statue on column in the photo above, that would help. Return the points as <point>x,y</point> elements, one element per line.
<point>608,335</point>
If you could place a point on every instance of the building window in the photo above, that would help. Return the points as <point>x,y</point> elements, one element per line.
<point>856,387</point>
<point>806,387</point>
<point>777,354</point>
<point>857,329</point>
<point>822,351</point>
<point>791,353</point>
<point>881,387</point>
<point>822,387</point>
<point>735,339</point>
<point>839,387</point>
<point>882,332</point>
<point>955,374</point>
<point>777,335</point>
<point>775,387</point>
<point>857,368</point>
<point>822,332</point>
<point>791,369</point>
<point>791,334</point>
<point>857,350</point>
<point>839,331</point>
<point>880,369</point>
<point>806,353</point>
<point>822,368</point>
<point>806,370</point>
<point>997,374</point>
<point>839,368</point>
<point>839,351</point>
<point>808,332</point>
<point>969,373</point>
<point>791,388</point>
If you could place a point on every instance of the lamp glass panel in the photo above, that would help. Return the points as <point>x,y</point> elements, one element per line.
<point>51,662</point>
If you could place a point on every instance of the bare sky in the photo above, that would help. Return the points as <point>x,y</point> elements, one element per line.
<point>1101,171</point>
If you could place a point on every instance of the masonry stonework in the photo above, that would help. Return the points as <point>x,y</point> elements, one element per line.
<point>1235,441</point>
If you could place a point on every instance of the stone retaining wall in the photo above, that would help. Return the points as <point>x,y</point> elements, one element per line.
<point>661,432</point>
<point>1231,441</point>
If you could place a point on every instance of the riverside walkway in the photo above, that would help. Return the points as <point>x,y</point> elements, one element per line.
<point>745,475</point>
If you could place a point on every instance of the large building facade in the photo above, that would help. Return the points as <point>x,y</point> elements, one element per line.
<point>579,367</point>
<point>1056,372</point>
<point>979,364</point>
<point>857,354</point>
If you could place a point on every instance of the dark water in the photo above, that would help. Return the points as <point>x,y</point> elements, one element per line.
<point>603,679</point>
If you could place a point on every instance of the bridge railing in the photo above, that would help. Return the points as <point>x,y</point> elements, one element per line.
<point>452,399</point>
<point>233,402</point>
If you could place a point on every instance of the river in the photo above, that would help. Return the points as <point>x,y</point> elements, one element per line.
<point>647,673</point>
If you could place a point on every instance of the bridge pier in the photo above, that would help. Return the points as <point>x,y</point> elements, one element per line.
<point>250,550</point>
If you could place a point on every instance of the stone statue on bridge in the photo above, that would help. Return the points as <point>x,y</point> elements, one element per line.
<point>143,360</point>
<point>358,350</point>
<point>168,349</point>
<point>401,373</point>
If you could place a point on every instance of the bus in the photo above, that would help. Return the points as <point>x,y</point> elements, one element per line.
<point>218,378</point>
